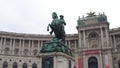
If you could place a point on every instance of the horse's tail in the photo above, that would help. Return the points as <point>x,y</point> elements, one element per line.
<point>48,27</point>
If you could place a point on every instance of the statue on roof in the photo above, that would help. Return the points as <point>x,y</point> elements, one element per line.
<point>81,21</point>
<point>91,14</point>
<point>102,17</point>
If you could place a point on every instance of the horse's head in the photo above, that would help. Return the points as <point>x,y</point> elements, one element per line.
<point>54,15</point>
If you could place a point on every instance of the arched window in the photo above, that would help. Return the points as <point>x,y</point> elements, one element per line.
<point>5,65</point>
<point>15,65</point>
<point>7,51</point>
<point>92,62</point>
<point>35,52</point>
<point>93,35</point>
<point>93,40</point>
<point>24,65</point>
<point>119,63</point>
<point>34,65</point>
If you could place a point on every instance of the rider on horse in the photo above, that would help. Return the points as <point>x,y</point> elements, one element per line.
<point>57,26</point>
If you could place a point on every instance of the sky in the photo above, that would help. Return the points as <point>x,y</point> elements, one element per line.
<point>33,16</point>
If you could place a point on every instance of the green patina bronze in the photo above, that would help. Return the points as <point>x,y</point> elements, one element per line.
<point>80,21</point>
<point>102,18</point>
<point>57,26</point>
<point>57,44</point>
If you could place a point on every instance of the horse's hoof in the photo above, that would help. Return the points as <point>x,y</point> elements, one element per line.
<point>50,33</point>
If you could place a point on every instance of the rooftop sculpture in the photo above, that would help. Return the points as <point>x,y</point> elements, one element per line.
<point>101,17</point>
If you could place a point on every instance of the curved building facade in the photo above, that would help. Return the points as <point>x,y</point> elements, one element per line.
<point>22,49</point>
<point>94,46</point>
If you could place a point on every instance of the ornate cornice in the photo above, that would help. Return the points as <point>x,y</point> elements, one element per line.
<point>24,35</point>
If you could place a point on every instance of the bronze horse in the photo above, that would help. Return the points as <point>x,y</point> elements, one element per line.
<point>57,27</point>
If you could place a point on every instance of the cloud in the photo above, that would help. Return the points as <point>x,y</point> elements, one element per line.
<point>32,16</point>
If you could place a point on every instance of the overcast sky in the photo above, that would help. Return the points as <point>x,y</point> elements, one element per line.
<point>33,16</point>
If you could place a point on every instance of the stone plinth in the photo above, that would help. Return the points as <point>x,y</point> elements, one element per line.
<point>56,60</point>
<point>55,54</point>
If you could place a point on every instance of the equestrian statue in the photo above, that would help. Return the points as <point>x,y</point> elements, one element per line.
<point>57,27</point>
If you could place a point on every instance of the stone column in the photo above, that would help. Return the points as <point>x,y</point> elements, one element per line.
<point>11,46</point>
<point>107,36</point>
<point>23,44</point>
<point>101,61</point>
<point>75,45</point>
<point>101,32</point>
<point>85,64</point>
<point>84,38</point>
<point>87,43</point>
<point>1,44</point>
<point>32,47</point>
<point>76,60</point>
<point>80,46</point>
<point>29,47</point>
<point>110,60</point>
<point>40,62</point>
<point>20,49</point>
<point>38,46</point>
<point>41,44</point>
<point>114,40</point>
<point>111,42</point>
<point>4,44</point>
<point>55,61</point>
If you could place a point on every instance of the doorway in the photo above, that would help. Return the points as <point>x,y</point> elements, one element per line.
<point>92,62</point>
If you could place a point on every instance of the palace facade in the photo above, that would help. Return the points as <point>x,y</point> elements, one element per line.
<point>94,46</point>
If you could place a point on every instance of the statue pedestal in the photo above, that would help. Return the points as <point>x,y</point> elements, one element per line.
<point>56,60</point>
<point>55,54</point>
<point>55,46</point>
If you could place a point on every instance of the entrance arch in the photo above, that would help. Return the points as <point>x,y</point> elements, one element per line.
<point>5,64</point>
<point>119,64</point>
<point>15,65</point>
<point>92,62</point>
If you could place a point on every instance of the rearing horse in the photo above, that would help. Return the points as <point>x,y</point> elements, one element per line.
<point>57,27</point>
